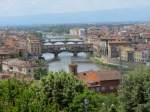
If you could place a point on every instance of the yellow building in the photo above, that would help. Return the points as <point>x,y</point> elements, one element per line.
<point>127,53</point>
<point>142,53</point>
<point>138,53</point>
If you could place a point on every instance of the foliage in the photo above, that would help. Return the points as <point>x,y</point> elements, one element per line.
<point>11,92</point>
<point>96,102</point>
<point>60,88</point>
<point>135,90</point>
<point>40,72</point>
<point>63,92</point>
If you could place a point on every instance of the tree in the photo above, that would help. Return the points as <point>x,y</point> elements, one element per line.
<point>60,88</point>
<point>135,90</point>
<point>96,102</point>
<point>10,90</point>
<point>40,72</point>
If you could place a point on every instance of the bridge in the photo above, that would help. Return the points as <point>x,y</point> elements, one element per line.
<point>73,48</point>
<point>64,41</point>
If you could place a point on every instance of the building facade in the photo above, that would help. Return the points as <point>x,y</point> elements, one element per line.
<point>104,81</point>
<point>21,67</point>
<point>34,46</point>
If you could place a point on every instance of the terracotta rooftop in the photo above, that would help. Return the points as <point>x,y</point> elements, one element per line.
<point>21,63</point>
<point>5,75</point>
<point>33,39</point>
<point>97,76</point>
<point>5,50</point>
<point>146,35</point>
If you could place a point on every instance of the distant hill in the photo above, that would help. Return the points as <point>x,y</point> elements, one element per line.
<point>118,15</point>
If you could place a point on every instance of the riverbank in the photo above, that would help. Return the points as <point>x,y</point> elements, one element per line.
<point>107,65</point>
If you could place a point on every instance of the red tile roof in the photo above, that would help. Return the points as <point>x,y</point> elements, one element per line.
<point>97,76</point>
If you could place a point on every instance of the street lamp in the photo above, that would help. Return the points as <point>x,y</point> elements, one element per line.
<point>86,102</point>
<point>104,106</point>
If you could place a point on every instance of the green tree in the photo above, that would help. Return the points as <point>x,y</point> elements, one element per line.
<point>135,90</point>
<point>40,72</point>
<point>60,88</point>
<point>10,90</point>
<point>96,102</point>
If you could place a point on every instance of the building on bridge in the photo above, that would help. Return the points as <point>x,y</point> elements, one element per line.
<point>73,48</point>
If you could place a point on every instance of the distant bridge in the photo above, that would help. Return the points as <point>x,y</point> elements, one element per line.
<point>64,41</point>
<point>73,48</point>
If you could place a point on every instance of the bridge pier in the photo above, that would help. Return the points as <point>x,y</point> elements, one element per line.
<point>75,54</point>
<point>56,55</point>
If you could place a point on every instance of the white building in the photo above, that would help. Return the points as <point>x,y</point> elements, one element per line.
<point>82,32</point>
<point>77,32</point>
<point>21,66</point>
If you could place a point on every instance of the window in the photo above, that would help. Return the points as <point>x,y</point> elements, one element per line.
<point>29,70</point>
<point>11,68</point>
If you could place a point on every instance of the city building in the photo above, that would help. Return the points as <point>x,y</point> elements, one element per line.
<point>34,46</point>
<point>142,53</point>
<point>21,66</point>
<point>104,81</point>
<point>127,53</point>
<point>78,32</point>
<point>6,53</point>
<point>145,37</point>
<point>103,44</point>
<point>114,49</point>
<point>5,75</point>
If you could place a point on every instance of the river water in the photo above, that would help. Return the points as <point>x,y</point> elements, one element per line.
<point>65,58</point>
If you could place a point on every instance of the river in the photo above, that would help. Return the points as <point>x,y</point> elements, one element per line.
<point>65,58</point>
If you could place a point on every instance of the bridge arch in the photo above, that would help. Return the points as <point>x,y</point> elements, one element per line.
<point>48,56</point>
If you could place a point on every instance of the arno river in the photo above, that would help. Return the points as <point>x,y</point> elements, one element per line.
<point>65,58</point>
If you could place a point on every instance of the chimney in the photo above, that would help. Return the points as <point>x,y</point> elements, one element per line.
<point>73,69</point>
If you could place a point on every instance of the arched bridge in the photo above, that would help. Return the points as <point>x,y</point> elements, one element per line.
<point>74,48</point>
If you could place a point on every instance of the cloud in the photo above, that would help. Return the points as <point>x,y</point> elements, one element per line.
<point>34,7</point>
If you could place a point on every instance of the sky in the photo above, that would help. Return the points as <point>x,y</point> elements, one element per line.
<point>37,7</point>
<point>26,8</point>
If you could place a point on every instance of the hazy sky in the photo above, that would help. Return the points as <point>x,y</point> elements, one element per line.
<point>34,7</point>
